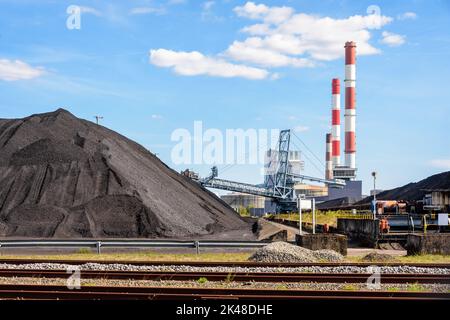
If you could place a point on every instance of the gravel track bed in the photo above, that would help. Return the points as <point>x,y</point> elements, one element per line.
<point>442,288</point>
<point>185,268</point>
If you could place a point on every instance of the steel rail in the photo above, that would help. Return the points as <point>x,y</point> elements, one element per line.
<point>172,293</point>
<point>231,277</point>
<point>243,264</point>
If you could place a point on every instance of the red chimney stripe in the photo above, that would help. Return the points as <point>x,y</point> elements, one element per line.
<point>335,86</point>
<point>336,148</point>
<point>350,99</point>
<point>350,53</point>
<point>335,117</point>
<point>350,142</point>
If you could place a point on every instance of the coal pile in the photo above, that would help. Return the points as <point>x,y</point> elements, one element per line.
<point>335,203</point>
<point>415,190</point>
<point>65,177</point>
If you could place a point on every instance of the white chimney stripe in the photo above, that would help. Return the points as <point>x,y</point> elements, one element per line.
<point>336,101</point>
<point>350,72</point>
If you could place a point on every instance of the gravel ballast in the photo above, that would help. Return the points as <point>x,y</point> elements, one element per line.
<point>442,288</point>
<point>186,268</point>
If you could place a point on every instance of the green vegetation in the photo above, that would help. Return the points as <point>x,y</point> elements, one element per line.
<point>350,287</point>
<point>244,211</point>
<point>281,287</point>
<point>141,256</point>
<point>89,284</point>
<point>393,289</point>
<point>202,280</point>
<point>426,258</point>
<point>230,278</point>
<point>202,256</point>
<point>84,251</point>
<point>415,287</point>
<point>322,217</point>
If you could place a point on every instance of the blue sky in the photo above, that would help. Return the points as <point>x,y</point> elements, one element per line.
<point>133,63</point>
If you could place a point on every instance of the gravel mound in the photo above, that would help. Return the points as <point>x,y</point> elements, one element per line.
<point>378,257</point>
<point>65,177</point>
<point>279,252</point>
<point>328,255</point>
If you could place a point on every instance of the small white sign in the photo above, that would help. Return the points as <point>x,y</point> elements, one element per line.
<point>443,219</point>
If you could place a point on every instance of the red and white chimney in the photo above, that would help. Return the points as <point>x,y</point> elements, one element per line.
<point>328,163</point>
<point>335,122</point>
<point>350,104</point>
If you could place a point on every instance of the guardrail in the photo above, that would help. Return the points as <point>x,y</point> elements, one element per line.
<point>366,216</point>
<point>98,244</point>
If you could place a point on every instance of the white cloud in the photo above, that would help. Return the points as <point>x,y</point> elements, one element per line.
<point>278,36</point>
<point>301,128</point>
<point>208,5</point>
<point>257,51</point>
<point>12,70</point>
<point>147,10</point>
<point>90,10</point>
<point>407,15</point>
<point>392,39</point>
<point>251,10</point>
<point>441,163</point>
<point>208,13</point>
<point>177,1</point>
<point>321,38</point>
<point>270,15</point>
<point>194,63</point>
<point>156,116</point>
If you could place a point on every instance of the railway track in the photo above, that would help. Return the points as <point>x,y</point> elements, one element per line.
<point>47,292</point>
<point>226,276</point>
<point>224,263</point>
<point>50,292</point>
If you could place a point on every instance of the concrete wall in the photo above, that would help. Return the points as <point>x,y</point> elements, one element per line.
<point>319,241</point>
<point>428,244</point>
<point>364,230</point>
<point>352,189</point>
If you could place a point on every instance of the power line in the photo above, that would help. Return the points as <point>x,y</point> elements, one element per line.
<point>229,166</point>
<point>318,159</point>
<point>309,159</point>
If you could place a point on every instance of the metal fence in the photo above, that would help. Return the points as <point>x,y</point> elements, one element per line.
<point>98,244</point>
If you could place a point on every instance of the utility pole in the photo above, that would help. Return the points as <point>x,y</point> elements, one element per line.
<point>314,215</point>
<point>374,175</point>
<point>299,205</point>
<point>98,118</point>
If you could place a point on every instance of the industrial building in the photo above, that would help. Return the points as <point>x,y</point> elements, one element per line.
<point>438,198</point>
<point>311,190</point>
<point>238,200</point>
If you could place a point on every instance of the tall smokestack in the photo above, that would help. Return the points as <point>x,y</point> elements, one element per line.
<point>350,104</point>
<point>335,122</point>
<point>328,164</point>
